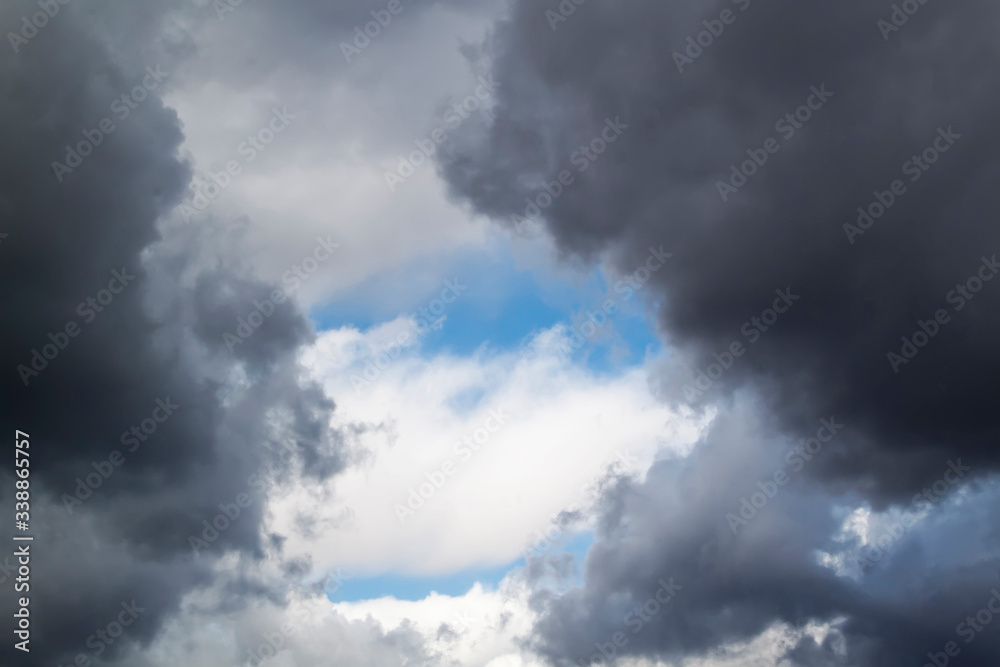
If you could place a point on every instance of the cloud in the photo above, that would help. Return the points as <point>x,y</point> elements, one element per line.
<point>480,627</point>
<point>793,563</point>
<point>461,447</point>
<point>755,184</point>
<point>156,338</point>
<point>353,123</point>
<point>795,149</point>
<point>785,226</point>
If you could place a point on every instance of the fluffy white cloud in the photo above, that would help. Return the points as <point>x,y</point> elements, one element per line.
<point>482,627</point>
<point>446,486</point>
<point>488,628</point>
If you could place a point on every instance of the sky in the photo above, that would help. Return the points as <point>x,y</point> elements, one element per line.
<point>499,333</point>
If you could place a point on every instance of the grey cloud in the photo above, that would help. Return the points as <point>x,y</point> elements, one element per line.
<point>159,337</point>
<point>673,527</point>
<point>657,184</point>
<point>784,227</point>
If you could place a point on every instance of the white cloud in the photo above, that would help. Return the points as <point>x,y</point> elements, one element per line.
<point>563,426</point>
<point>482,627</point>
<point>487,628</point>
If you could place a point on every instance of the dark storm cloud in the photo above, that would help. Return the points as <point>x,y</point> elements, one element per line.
<point>658,184</point>
<point>894,94</point>
<point>674,528</point>
<point>153,331</point>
